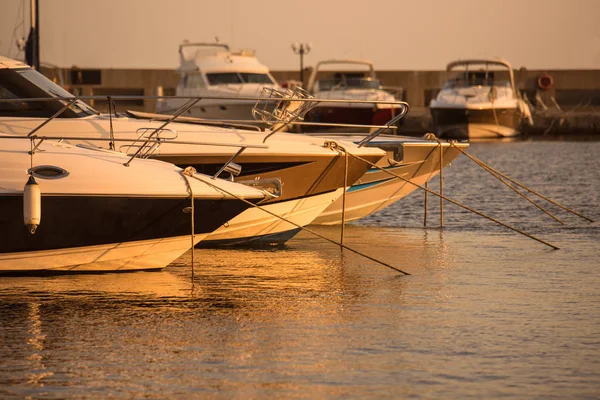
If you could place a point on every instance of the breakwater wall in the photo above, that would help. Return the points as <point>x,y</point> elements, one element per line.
<point>573,100</point>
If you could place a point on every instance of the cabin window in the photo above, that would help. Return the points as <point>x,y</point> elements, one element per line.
<point>348,80</point>
<point>26,83</point>
<point>255,78</point>
<point>223,78</point>
<point>20,108</point>
<point>227,78</point>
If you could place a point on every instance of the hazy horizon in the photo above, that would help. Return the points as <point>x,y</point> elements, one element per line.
<point>425,35</point>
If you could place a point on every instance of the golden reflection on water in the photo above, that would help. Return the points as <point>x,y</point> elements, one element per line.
<point>305,320</point>
<point>36,342</point>
<point>485,313</point>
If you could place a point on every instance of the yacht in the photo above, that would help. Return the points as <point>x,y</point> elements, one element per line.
<point>414,159</point>
<point>70,209</point>
<point>212,69</point>
<point>304,174</point>
<point>340,84</point>
<point>480,100</point>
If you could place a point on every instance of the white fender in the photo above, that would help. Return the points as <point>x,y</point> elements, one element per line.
<point>526,111</point>
<point>32,204</point>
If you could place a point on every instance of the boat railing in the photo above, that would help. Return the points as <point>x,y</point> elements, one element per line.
<point>277,109</point>
<point>146,148</point>
<point>280,106</point>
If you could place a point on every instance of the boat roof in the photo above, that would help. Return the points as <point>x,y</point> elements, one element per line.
<point>482,61</point>
<point>487,62</point>
<point>313,77</point>
<point>217,57</point>
<point>346,61</point>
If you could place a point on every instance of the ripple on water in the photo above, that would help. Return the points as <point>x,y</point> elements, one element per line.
<point>486,313</point>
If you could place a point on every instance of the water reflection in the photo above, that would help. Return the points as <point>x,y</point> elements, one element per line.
<point>36,342</point>
<point>483,307</point>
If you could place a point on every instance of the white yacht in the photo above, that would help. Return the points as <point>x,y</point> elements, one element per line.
<point>479,101</point>
<point>304,174</point>
<point>340,83</point>
<point>212,69</point>
<point>83,210</point>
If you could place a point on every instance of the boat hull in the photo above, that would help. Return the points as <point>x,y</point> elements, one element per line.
<point>257,227</point>
<point>300,175</point>
<point>377,190</point>
<point>142,255</point>
<point>464,123</point>
<point>100,233</point>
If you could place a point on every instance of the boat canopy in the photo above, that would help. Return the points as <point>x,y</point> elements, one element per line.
<point>318,68</point>
<point>485,62</point>
<point>217,57</point>
<point>478,61</point>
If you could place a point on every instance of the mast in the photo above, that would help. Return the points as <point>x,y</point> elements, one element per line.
<point>32,48</point>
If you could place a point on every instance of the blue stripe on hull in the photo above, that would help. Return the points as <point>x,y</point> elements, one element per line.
<point>362,186</point>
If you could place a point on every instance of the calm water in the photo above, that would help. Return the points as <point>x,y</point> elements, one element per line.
<point>486,313</point>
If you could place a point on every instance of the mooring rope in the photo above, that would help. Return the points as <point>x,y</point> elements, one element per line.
<point>425,204</point>
<point>190,171</point>
<point>111,107</point>
<point>495,171</point>
<point>455,202</point>
<point>441,184</point>
<point>298,226</point>
<point>495,174</point>
<point>344,197</point>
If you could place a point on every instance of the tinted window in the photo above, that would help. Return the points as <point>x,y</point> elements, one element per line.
<point>26,83</point>
<point>256,78</point>
<point>22,108</point>
<point>223,78</point>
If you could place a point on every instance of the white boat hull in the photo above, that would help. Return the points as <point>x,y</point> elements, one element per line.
<point>151,254</point>
<point>361,203</point>
<point>377,190</point>
<point>230,110</point>
<point>258,227</point>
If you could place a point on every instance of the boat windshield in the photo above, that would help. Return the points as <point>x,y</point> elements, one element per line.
<point>24,83</point>
<point>349,83</point>
<point>227,78</point>
<point>459,82</point>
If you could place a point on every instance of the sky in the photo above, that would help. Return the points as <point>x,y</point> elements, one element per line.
<point>393,34</point>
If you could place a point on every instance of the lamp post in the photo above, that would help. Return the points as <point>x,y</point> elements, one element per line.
<point>301,49</point>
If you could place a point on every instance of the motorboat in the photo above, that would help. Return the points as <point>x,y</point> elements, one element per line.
<point>305,174</point>
<point>70,209</point>
<point>414,159</point>
<point>480,100</point>
<point>338,83</point>
<point>212,70</point>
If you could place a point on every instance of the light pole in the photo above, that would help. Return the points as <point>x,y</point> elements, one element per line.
<point>301,49</point>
